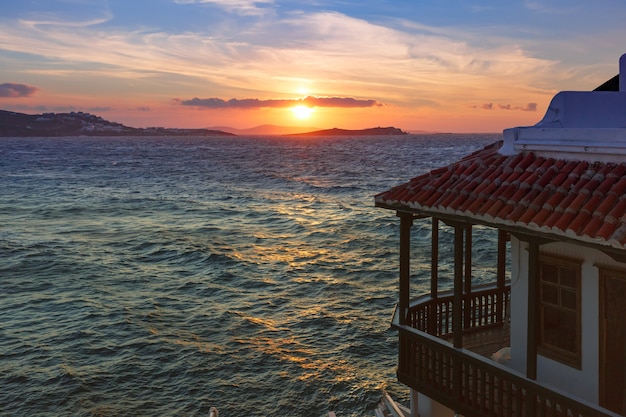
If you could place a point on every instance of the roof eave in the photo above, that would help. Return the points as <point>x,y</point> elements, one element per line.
<point>613,249</point>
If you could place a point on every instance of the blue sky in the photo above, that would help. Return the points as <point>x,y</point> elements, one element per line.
<point>432,65</point>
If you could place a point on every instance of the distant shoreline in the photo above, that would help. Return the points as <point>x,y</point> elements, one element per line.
<point>13,124</point>
<point>375,131</point>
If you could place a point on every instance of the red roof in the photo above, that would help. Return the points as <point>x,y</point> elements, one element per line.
<point>581,200</point>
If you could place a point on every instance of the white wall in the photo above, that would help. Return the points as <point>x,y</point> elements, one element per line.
<point>428,407</point>
<point>580,382</point>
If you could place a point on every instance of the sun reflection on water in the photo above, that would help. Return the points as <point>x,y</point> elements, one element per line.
<point>312,363</point>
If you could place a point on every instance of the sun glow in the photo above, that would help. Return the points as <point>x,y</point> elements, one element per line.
<point>302,111</point>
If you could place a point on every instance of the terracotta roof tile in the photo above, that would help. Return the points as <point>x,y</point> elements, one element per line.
<point>593,203</point>
<point>578,199</point>
<point>495,209</point>
<point>617,212</point>
<point>475,205</point>
<point>527,215</point>
<point>541,199</point>
<point>605,186</point>
<point>606,231</point>
<point>559,178</point>
<point>593,226</point>
<point>606,205</point>
<point>555,199</point>
<point>564,221</point>
<point>433,198</point>
<point>577,204</point>
<point>566,202</point>
<point>619,188</point>
<point>579,222</point>
<point>540,217</point>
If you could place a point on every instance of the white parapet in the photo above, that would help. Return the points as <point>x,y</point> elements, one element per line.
<point>584,125</point>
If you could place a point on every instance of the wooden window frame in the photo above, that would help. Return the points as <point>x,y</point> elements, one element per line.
<point>604,274</point>
<point>569,357</point>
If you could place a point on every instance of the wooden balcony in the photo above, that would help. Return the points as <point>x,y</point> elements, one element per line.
<point>465,379</point>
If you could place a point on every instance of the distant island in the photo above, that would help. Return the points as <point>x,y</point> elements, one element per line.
<point>14,124</point>
<point>83,124</point>
<point>374,131</point>
<point>265,130</point>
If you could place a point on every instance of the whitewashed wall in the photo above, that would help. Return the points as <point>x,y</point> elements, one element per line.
<point>580,382</point>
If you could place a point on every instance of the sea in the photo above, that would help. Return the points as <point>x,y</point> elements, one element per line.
<point>163,276</point>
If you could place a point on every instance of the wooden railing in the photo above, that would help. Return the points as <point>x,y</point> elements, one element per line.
<point>481,309</point>
<point>468,383</point>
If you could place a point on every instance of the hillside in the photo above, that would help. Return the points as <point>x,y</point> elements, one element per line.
<point>82,124</point>
<point>375,131</point>
<point>265,130</point>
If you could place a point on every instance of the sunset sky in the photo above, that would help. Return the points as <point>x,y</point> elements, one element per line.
<point>445,65</point>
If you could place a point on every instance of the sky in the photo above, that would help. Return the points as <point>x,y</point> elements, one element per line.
<point>444,65</point>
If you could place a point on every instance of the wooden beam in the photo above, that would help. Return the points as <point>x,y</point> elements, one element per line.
<point>619,257</point>
<point>539,240</point>
<point>468,259</point>
<point>406,221</point>
<point>532,330</point>
<point>434,275</point>
<point>457,303</point>
<point>467,279</point>
<point>434,259</point>
<point>501,274</point>
<point>503,237</point>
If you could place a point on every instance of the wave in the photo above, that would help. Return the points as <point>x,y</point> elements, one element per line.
<point>163,276</point>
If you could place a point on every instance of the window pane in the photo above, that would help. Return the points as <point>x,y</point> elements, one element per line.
<point>568,299</point>
<point>560,303</point>
<point>550,329</point>
<point>568,277</point>
<point>549,272</point>
<point>568,331</point>
<point>550,294</point>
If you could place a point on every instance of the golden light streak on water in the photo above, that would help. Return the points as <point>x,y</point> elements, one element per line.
<point>313,363</point>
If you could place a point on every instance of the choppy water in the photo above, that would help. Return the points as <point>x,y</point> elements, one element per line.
<point>163,276</point>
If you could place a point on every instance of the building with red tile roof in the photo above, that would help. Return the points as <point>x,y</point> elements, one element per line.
<point>563,199</point>
<point>555,193</point>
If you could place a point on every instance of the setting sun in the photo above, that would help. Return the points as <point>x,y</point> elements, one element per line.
<point>302,112</point>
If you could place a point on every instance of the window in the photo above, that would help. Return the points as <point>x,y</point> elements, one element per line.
<point>559,318</point>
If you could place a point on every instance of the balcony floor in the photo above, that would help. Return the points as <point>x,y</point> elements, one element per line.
<point>485,341</point>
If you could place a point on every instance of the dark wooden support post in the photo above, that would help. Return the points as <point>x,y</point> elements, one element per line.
<point>406,221</point>
<point>468,260</point>
<point>457,306</point>
<point>533,309</point>
<point>501,277</point>
<point>434,259</point>
<point>467,283</point>
<point>434,277</point>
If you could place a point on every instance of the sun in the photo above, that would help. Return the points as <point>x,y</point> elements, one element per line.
<point>302,112</point>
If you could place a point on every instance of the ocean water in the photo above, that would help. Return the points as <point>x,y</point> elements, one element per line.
<point>164,276</point>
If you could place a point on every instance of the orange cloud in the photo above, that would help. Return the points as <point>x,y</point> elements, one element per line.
<point>528,107</point>
<point>489,106</point>
<point>254,103</point>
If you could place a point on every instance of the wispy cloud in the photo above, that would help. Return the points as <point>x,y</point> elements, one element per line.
<point>254,103</point>
<point>67,13</point>
<point>404,64</point>
<point>244,7</point>
<point>16,90</point>
<point>528,107</point>
<point>330,45</point>
<point>490,106</point>
<point>557,7</point>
